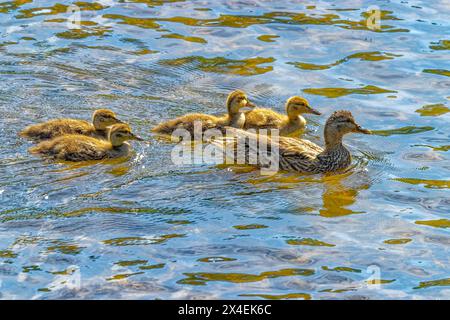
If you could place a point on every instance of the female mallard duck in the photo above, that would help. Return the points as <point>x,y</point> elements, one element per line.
<point>76,147</point>
<point>297,154</point>
<point>101,119</point>
<point>235,118</point>
<point>291,125</point>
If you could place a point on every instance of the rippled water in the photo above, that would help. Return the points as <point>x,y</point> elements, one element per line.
<point>146,228</point>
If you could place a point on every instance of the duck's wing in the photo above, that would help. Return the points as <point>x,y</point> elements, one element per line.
<point>241,147</point>
<point>291,154</point>
<point>289,144</point>
<point>298,155</point>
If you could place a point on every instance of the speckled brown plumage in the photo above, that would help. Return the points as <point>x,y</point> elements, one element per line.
<point>298,154</point>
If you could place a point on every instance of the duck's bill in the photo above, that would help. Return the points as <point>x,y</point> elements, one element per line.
<point>314,111</point>
<point>362,130</point>
<point>118,120</point>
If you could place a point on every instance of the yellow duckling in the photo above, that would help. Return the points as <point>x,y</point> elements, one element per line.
<point>291,125</point>
<point>76,147</point>
<point>101,119</point>
<point>234,118</point>
<point>297,154</point>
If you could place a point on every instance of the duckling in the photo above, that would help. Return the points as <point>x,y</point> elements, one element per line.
<point>297,154</point>
<point>76,147</point>
<point>234,118</point>
<point>291,125</point>
<point>101,119</point>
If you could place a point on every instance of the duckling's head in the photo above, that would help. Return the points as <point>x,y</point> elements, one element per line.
<point>342,122</point>
<point>104,118</point>
<point>296,105</point>
<point>237,100</point>
<point>119,133</point>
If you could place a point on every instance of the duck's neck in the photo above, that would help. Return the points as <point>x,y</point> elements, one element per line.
<point>120,146</point>
<point>236,118</point>
<point>296,119</point>
<point>333,139</point>
<point>335,155</point>
<point>116,143</point>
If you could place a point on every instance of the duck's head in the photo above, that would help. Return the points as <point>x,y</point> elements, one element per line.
<point>342,122</point>
<point>296,106</point>
<point>104,118</point>
<point>119,133</point>
<point>237,100</point>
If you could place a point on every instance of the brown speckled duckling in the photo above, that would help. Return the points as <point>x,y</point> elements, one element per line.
<point>101,119</point>
<point>234,118</point>
<point>302,155</point>
<point>75,147</point>
<point>291,124</point>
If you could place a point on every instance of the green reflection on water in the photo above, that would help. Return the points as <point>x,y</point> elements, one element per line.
<point>138,241</point>
<point>362,56</point>
<point>340,92</point>
<point>201,278</point>
<point>441,72</point>
<point>403,130</point>
<point>434,283</point>
<point>304,296</point>
<point>441,45</point>
<point>433,110</point>
<point>309,242</point>
<point>242,67</point>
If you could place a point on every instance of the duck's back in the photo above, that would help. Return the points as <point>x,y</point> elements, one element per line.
<point>260,118</point>
<point>58,127</point>
<point>74,147</point>
<point>293,154</point>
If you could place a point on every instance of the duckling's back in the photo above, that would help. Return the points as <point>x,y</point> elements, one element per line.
<point>260,118</point>
<point>57,127</point>
<point>73,147</point>
<point>187,122</point>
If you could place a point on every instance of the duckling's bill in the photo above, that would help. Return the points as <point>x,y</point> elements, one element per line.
<point>250,104</point>
<point>135,137</point>
<point>314,111</point>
